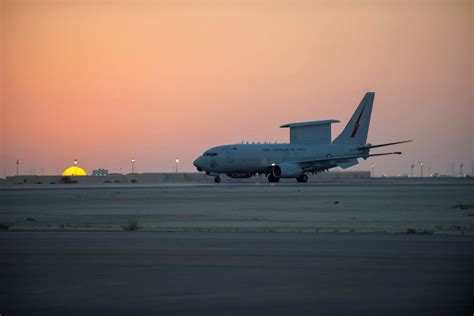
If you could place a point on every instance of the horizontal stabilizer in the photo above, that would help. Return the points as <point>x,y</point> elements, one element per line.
<point>385,154</point>
<point>348,163</point>
<point>383,145</point>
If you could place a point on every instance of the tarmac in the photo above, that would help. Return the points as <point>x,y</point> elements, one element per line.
<point>138,273</point>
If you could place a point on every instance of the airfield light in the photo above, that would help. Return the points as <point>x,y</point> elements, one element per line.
<point>412,167</point>
<point>176,164</point>
<point>133,165</point>
<point>18,162</point>
<point>421,169</point>
<point>74,170</point>
<point>373,170</point>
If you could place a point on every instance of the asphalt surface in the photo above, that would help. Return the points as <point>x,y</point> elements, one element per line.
<point>139,273</point>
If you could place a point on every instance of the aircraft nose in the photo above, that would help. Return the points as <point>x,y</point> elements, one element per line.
<point>198,163</point>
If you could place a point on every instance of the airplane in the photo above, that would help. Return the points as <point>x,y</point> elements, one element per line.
<point>310,150</point>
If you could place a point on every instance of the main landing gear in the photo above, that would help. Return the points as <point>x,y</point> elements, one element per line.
<point>217,179</point>
<point>302,178</point>
<point>272,178</point>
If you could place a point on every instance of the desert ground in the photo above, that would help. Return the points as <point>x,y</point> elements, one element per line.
<point>368,205</point>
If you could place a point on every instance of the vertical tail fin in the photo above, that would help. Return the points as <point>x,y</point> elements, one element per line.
<point>357,129</point>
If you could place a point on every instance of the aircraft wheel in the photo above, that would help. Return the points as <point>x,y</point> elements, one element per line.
<point>217,179</point>
<point>302,178</point>
<point>271,178</point>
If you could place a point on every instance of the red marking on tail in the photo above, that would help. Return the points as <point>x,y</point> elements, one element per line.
<point>356,126</point>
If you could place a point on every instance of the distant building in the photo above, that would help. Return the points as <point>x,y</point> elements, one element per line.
<point>100,172</point>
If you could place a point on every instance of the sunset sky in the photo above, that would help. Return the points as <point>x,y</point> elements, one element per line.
<point>108,81</point>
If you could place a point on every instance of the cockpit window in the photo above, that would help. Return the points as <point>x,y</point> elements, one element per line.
<point>209,154</point>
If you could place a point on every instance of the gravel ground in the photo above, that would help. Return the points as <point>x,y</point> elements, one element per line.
<point>355,206</point>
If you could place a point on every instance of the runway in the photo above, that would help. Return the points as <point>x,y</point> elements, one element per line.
<point>136,273</point>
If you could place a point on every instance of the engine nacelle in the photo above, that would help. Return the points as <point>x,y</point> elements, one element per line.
<point>286,170</point>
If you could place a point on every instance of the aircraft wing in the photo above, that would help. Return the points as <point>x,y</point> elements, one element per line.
<point>347,163</point>
<point>342,161</point>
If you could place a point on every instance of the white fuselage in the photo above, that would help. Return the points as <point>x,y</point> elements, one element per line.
<point>256,158</point>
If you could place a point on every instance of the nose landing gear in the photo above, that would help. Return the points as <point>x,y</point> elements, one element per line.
<point>217,179</point>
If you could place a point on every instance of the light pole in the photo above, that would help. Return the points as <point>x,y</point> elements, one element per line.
<point>373,170</point>
<point>412,167</point>
<point>74,170</point>
<point>429,172</point>
<point>460,169</point>
<point>133,165</point>
<point>18,162</point>
<point>421,169</point>
<point>177,162</point>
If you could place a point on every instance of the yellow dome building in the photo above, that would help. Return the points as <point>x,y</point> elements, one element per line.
<point>74,171</point>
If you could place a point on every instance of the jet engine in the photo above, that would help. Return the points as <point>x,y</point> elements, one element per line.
<point>286,170</point>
